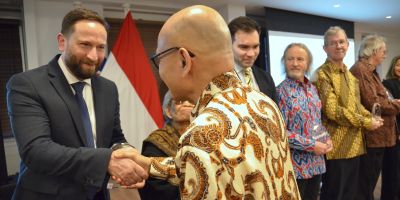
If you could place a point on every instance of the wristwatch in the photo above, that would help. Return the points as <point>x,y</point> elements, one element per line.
<point>116,146</point>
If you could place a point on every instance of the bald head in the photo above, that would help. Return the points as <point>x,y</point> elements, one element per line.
<point>194,46</point>
<point>201,30</point>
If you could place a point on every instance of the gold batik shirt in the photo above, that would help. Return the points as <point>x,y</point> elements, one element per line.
<point>235,148</point>
<point>343,115</point>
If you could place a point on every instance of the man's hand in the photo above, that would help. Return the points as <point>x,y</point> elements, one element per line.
<point>135,186</point>
<point>330,145</point>
<point>130,153</point>
<point>126,171</point>
<point>320,148</point>
<point>376,123</point>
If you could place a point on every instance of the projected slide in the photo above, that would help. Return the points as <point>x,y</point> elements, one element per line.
<point>278,41</point>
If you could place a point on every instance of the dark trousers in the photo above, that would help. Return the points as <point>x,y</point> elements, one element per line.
<point>390,174</point>
<point>370,168</point>
<point>371,165</point>
<point>309,188</point>
<point>398,171</point>
<point>341,179</point>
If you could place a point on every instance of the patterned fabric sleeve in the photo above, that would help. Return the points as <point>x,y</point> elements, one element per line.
<point>198,175</point>
<point>296,140</point>
<point>333,110</point>
<point>299,142</point>
<point>164,168</point>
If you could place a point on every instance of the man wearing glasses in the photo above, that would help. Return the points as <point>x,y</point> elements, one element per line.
<point>343,116</point>
<point>236,146</point>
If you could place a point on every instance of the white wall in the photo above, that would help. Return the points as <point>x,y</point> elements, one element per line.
<point>42,22</point>
<point>392,43</point>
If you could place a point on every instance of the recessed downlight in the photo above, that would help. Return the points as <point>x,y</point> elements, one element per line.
<point>336,5</point>
<point>388,17</point>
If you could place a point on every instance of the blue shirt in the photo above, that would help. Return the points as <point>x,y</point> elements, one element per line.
<point>301,110</point>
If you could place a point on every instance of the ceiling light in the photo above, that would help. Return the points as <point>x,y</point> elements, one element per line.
<point>388,17</point>
<point>336,5</point>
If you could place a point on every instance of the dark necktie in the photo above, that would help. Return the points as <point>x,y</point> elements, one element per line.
<point>78,87</point>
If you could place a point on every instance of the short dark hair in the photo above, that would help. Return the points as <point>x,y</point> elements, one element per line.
<point>243,23</point>
<point>78,14</point>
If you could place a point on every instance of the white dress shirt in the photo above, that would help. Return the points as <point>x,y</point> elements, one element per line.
<point>240,72</point>
<point>87,94</point>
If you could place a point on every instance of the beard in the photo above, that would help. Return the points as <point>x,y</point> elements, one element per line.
<point>295,74</point>
<point>76,66</point>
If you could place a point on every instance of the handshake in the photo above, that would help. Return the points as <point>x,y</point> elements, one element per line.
<point>128,168</point>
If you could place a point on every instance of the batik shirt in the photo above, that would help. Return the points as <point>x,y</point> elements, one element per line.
<point>235,148</point>
<point>342,113</point>
<point>301,110</point>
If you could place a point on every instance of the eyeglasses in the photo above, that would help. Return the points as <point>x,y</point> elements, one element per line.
<point>337,43</point>
<point>157,58</point>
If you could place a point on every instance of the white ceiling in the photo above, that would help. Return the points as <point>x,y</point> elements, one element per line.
<point>367,12</point>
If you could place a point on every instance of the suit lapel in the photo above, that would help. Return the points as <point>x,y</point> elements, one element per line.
<point>60,83</point>
<point>259,79</point>
<point>98,100</point>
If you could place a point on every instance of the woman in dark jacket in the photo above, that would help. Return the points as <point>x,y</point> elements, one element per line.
<point>164,143</point>
<point>392,83</point>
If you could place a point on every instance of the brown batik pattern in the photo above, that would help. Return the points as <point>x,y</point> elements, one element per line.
<point>235,148</point>
<point>196,188</point>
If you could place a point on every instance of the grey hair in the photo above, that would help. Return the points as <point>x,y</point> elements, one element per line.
<point>303,46</point>
<point>333,30</point>
<point>167,102</point>
<point>370,44</point>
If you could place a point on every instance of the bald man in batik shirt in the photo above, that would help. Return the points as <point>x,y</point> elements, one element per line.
<point>236,145</point>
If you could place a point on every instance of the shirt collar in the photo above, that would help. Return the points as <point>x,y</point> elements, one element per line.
<point>334,68</point>
<point>293,82</point>
<point>220,83</point>
<point>71,78</point>
<point>367,65</point>
<point>238,68</point>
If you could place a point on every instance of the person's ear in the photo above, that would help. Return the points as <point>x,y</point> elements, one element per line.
<point>61,41</point>
<point>186,60</point>
<point>168,112</point>
<point>325,48</point>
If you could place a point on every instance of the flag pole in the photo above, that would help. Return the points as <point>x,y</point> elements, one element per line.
<point>77,4</point>
<point>127,8</point>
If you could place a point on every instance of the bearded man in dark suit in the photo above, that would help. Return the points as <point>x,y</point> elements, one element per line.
<point>65,119</point>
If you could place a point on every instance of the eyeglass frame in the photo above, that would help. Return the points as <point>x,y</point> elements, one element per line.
<point>340,43</point>
<point>156,59</point>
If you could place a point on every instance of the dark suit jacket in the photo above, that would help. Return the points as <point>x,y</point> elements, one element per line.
<point>47,126</point>
<point>265,83</point>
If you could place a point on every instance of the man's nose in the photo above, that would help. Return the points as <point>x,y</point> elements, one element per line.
<point>295,62</point>
<point>92,54</point>
<point>251,53</point>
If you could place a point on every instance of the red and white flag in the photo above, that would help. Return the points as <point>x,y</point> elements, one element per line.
<point>128,66</point>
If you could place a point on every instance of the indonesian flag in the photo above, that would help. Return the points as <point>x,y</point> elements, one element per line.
<point>128,66</point>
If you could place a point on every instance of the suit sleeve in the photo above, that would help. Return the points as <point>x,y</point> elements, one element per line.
<point>273,94</point>
<point>31,127</point>
<point>118,136</point>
